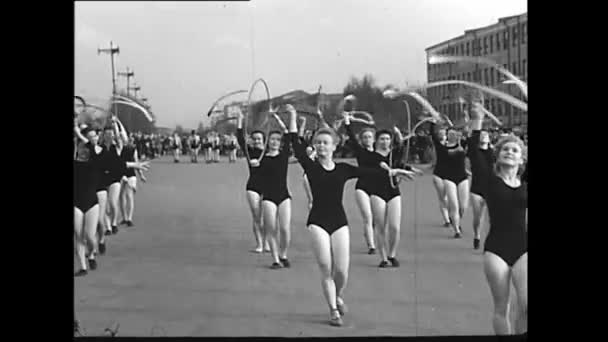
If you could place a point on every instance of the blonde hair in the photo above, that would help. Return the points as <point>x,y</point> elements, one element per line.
<point>329,132</point>
<point>511,139</point>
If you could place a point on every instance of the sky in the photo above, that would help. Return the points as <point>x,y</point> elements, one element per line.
<point>187,54</point>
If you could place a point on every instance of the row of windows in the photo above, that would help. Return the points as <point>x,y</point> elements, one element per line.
<point>490,76</point>
<point>490,43</point>
<point>495,106</point>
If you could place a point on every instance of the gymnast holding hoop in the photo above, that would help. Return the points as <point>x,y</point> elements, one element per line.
<point>327,221</point>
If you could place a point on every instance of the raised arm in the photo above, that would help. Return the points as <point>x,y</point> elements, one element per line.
<point>78,133</point>
<point>352,138</point>
<point>240,135</point>
<point>299,149</point>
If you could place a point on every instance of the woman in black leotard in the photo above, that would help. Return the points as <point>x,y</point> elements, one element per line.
<point>327,219</point>
<point>456,182</point>
<point>363,185</point>
<point>114,139</point>
<point>254,183</point>
<point>86,206</point>
<point>129,183</point>
<point>276,199</point>
<point>506,250</point>
<point>231,147</point>
<point>438,176</point>
<point>478,179</point>
<point>385,200</point>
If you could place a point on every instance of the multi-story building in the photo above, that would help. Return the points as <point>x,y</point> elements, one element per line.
<point>506,43</point>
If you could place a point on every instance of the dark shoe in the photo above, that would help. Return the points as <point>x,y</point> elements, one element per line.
<point>371,251</point>
<point>275,266</point>
<point>102,248</point>
<point>383,264</point>
<point>394,262</point>
<point>130,224</point>
<point>457,235</point>
<point>123,222</point>
<point>108,232</point>
<point>81,273</point>
<point>447,225</point>
<point>285,262</point>
<point>114,230</point>
<point>92,264</point>
<point>337,320</point>
<point>342,308</point>
<point>476,243</point>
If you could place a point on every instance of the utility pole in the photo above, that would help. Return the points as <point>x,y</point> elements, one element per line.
<point>128,75</point>
<point>136,88</point>
<point>112,51</point>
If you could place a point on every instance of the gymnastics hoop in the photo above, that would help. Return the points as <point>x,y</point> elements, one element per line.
<point>210,112</point>
<point>249,113</point>
<point>438,59</point>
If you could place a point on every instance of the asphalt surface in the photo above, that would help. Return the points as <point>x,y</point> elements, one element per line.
<point>186,268</point>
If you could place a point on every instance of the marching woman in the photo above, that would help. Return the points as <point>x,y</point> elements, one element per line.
<point>86,206</point>
<point>176,146</point>
<point>327,221</point>
<point>362,188</point>
<point>455,178</point>
<point>276,199</point>
<point>114,140</point>
<point>231,148</point>
<point>129,184</point>
<point>254,183</point>
<point>384,198</point>
<point>207,148</point>
<point>438,176</point>
<point>505,249</point>
<point>195,145</point>
<point>478,178</point>
<point>217,146</point>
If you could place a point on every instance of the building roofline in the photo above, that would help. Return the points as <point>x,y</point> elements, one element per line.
<point>475,30</point>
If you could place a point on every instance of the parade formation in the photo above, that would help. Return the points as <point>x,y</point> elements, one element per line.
<point>479,164</point>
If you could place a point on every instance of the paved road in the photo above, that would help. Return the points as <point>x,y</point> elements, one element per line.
<point>185,269</point>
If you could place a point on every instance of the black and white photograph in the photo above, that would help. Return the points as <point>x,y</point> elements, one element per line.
<point>300,168</point>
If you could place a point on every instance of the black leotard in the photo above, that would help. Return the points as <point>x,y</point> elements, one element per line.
<point>128,155</point>
<point>479,173</point>
<point>86,181</point>
<point>274,171</point>
<point>255,181</point>
<point>194,144</point>
<point>327,188</point>
<point>116,165</point>
<point>376,185</point>
<point>507,208</point>
<point>450,159</point>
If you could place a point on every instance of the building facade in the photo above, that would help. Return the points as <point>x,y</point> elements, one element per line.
<point>506,43</point>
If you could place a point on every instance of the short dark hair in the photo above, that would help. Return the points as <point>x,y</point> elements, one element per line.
<point>257,131</point>
<point>384,131</point>
<point>86,130</point>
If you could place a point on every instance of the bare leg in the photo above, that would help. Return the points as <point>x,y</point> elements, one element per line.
<point>113,194</point>
<point>102,227</point>
<point>452,193</point>
<point>284,227</point>
<point>269,212</point>
<point>340,248</point>
<point>321,246</point>
<point>463,197</point>
<point>393,217</point>
<point>478,203</point>
<point>79,238</point>
<point>520,282</point>
<point>253,199</point>
<point>443,202</point>
<point>379,214</point>
<point>91,219</point>
<point>498,275</point>
<point>365,206</point>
